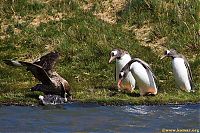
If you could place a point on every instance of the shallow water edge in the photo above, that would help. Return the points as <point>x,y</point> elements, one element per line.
<point>78,117</point>
<point>102,104</point>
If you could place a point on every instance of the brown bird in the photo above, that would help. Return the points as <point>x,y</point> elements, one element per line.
<point>42,69</point>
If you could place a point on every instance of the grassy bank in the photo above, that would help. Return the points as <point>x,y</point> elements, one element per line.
<point>85,32</point>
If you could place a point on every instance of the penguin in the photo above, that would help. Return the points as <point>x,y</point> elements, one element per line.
<point>122,58</point>
<point>143,75</point>
<point>181,69</point>
<point>42,69</point>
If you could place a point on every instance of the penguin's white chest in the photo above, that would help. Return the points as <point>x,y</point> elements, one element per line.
<point>144,79</point>
<point>121,63</point>
<point>140,74</point>
<point>181,73</point>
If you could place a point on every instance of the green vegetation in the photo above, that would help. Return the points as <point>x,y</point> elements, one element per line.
<point>31,28</point>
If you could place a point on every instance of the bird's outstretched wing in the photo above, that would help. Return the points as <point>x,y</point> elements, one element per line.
<point>144,64</point>
<point>12,63</point>
<point>38,72</point>
<point>48,61</point>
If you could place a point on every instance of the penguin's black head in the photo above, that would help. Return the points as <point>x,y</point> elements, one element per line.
<point>115,54</point>
<point>170,53</point>
<point>123,73</point>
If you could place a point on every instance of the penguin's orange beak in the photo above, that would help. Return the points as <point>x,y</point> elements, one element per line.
<point>119,84</point>
<point>163,57</point>
<point>111,59</point>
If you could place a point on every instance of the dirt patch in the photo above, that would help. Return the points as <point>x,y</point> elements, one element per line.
<point>143,36</point>
<point>107,12</point>
<point>45,19</point>
<point>106,9</point>
<point>39,1</point>
<point>86,6</point>
<point>4,27</point>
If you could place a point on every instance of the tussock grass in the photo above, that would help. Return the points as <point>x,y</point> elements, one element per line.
<point>32,28</point>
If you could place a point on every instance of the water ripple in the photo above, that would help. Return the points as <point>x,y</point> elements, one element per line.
<point>96,118</point>
<point>136,110</point>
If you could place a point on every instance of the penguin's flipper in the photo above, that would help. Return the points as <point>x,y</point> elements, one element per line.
<point>145,65</point>
<point>189,72</point>
<point>115,73</point>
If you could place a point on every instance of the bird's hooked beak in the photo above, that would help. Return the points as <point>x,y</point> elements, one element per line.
<point>119,84</point>
<point>112,58</point>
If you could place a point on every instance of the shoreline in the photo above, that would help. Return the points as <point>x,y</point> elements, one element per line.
<point>99,103</point>
<point>105,97</point>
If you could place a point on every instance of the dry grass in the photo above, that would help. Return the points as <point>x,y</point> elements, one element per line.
<point>108,12</point>
<point>107,9</point>
<point>143,36</point>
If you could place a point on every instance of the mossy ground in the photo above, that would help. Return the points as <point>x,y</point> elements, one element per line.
<point>31,28</point>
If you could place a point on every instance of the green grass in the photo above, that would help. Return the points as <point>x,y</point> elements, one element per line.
<point>85,43</point>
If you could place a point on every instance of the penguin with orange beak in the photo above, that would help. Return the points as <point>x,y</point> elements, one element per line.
<point>143,75</point>
<point>122,58</point>
<point>181,69</point>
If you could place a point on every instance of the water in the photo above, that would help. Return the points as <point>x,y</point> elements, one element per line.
<point>96,118</point>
